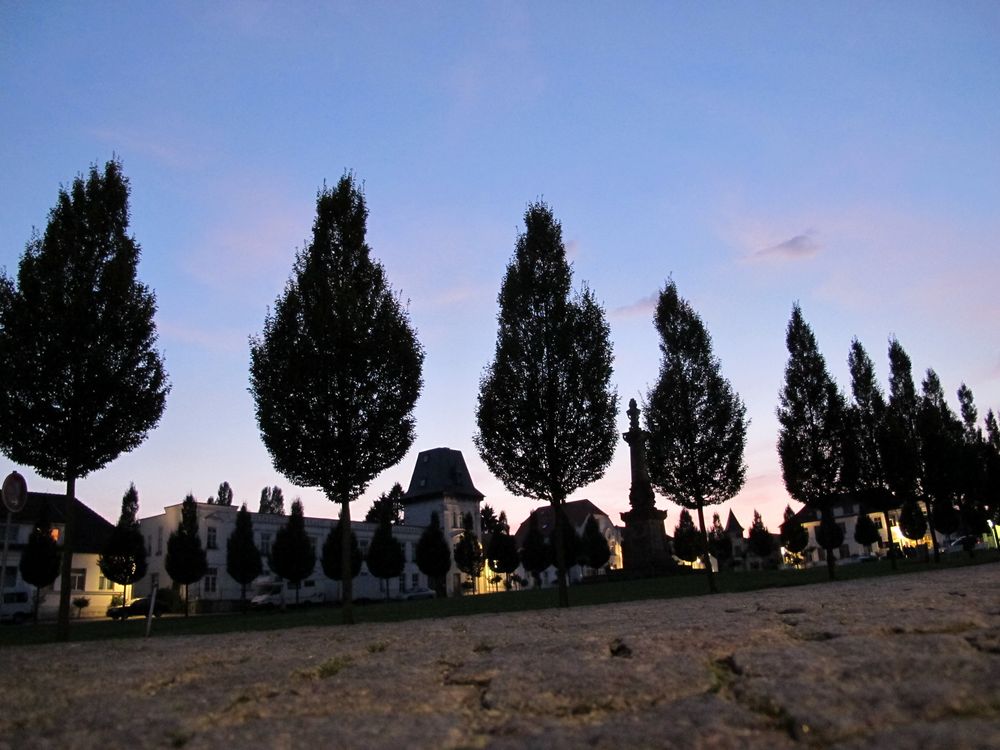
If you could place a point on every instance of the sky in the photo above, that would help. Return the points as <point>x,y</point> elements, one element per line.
<point>845,156</point>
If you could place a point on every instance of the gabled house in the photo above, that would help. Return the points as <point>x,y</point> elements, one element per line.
<point>92,533</point>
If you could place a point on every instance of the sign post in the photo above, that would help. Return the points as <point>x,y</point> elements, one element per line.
<point>15,495</point>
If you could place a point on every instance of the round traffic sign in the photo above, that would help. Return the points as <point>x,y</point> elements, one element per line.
<point>15,492</point>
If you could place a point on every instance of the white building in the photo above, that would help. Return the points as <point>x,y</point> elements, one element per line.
<point>440,483</point>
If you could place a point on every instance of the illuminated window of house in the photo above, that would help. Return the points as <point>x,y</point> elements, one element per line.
<point>78,579</point>
<point>211,580</point>
<point>54,533</point>
<point>212,541</point>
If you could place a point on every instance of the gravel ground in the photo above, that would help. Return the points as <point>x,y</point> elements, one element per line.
<point>902,662</point>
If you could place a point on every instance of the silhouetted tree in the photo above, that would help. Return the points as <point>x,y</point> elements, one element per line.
<point>794,536</point>
<point>186,561</point>
<point>225,496</point>
<point>123,559</point>
<point>829,536</point>
<point>900,444</point>
<point>536,555</point>
<point>89,383</point>
<point>546,409</point>
<point>487,519</point>
<point>502,549</point>
<point>720,545</point>
<point>243,562</point>
<point>433,555</point>
<point>595,552</point>
<point>570,541</point>
<point>940,456</point>
<point>696,422</point>
<point>337,371</point>
<point>865,532</point>
<point>912,522</point>
<point>39,563</point>
<point>333,557</point>
<point>272,501</point>
<point>759,540</point>
<point>868,416</point>
<point>293,555</point>
<point>973,489</point>
<point>468,551</point>
<point>689,544</point>
<point>388,504</point>
<point>385,554</point>
<point>814,430</point>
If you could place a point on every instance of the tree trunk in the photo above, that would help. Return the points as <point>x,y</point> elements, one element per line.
<point>65,582</point>
<point>560,554</point>
<point>888,536</point>
<point>930,527</point>
<point>706,557</point>
<point>347,587</point>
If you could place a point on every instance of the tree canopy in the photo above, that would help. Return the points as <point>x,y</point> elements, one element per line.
<point>695,420</point>
<point>337,370</point>
<point>123,559</point>
<point>272,501</point>
<point>39,564</point>
<point>387,505</point>
<point>243,561</point>
<point>293,555</point>
<point>546,408</point>
<point>90,383</point>
<point>385,557</point>
<point>186,561</point>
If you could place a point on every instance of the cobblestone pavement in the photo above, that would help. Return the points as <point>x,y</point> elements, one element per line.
<point>902,662</point>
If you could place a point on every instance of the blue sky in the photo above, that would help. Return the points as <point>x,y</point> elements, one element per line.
<point>845,156</point>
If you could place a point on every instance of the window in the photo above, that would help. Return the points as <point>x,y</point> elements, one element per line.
<point>78,579</point>
<point>105,584</point>
<point>212,541</point>
<point>408,552</point>
<point>402,582</point>
<point>211,580</point>
<point>877,521</point>
<point>415,580</point>
<point>265,544</point>
<point>159,540</point>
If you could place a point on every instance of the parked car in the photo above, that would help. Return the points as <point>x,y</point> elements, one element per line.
<point>17,607</point>
<point>138,607</point>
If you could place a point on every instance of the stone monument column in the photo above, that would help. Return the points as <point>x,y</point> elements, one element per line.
<point>644,544</point>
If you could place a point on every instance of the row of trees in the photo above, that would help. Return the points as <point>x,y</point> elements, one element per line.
<point>883,453</point>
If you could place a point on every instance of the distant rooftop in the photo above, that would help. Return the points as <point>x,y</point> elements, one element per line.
<point>92,530</point>
<point>577,512</point>
<point>441,471</point>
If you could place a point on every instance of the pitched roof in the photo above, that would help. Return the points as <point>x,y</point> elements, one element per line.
<point>440,471</point>
<point>842,506</point>
<point>92,530</point>
<point>577,513</point>
<point>732,525</point>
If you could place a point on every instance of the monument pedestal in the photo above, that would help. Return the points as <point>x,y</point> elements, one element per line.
<point>644,543</point>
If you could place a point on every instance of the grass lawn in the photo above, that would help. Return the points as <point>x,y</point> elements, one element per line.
<point>693,584</point>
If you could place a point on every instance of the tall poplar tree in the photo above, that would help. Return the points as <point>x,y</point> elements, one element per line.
<point>243,562</point>
<point>812,437</point>
<point>332,558</point>
<point>900,442</point>
<point>546,409</point>
<point>272,501</point>
<point>186,561</point>
<point>337,371</point>
<point>868,414</point>
<point>469,557</point>
<point>88,384</point>
<point>696,422</point>
<point>123,559</point>
<point>940,459</point>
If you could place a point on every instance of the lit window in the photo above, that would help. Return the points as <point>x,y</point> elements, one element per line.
<point>78,579</point>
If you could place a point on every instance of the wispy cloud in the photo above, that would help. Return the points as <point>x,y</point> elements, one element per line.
<point>799,247</point>
<point>641,307</point>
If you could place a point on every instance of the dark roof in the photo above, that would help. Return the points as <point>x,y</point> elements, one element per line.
<point>843,506</point>
<point>577,513</point>
<point>440,471</point>
<point>92,530</point>
<point>732,525</point>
